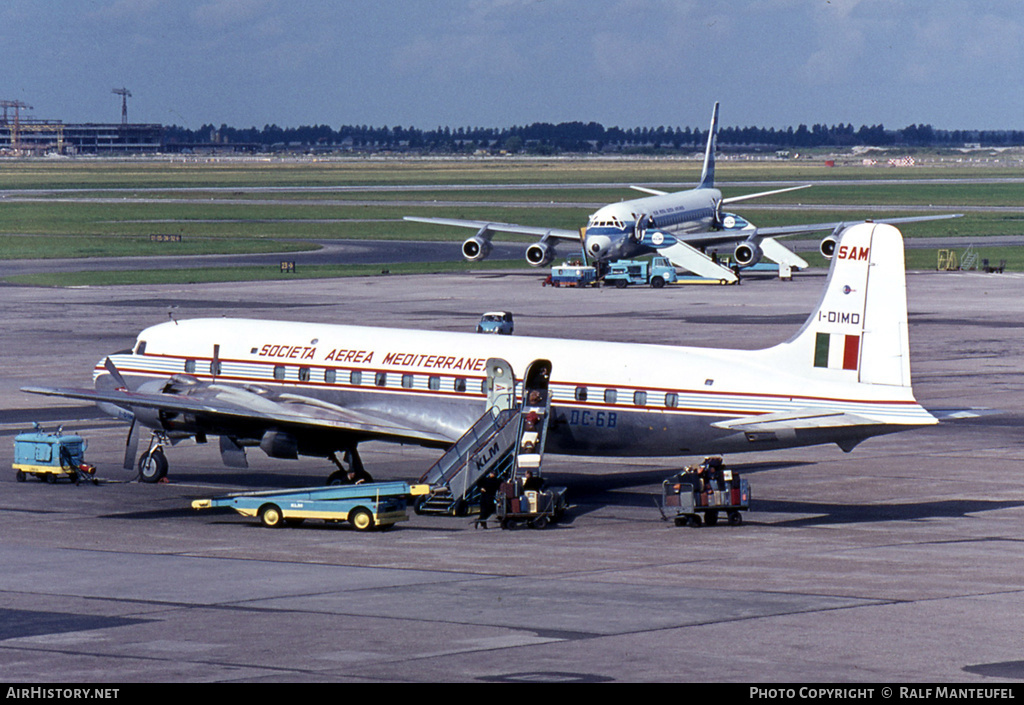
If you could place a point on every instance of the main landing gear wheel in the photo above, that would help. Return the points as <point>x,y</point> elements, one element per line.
<point>153,466</point>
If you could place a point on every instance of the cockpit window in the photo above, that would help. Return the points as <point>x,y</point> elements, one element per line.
<point>606,223</point>
<point>140,349</point>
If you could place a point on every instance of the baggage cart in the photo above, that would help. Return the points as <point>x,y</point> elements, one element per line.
<point>694,501</point>
<point>535,508</point>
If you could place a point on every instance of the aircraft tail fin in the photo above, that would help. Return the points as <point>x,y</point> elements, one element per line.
<point>707,176</point>
<point>858,331</point>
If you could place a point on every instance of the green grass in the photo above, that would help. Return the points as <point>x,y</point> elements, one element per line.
<point>107,207</point>
<point>231,274</point>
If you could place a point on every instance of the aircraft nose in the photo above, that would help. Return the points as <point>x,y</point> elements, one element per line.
<point>597,245</point>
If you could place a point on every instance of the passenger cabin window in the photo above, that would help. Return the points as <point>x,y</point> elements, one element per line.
<point>279,372</point>
<point>611,396</point>
<point>330,376</point>
<point>304,374</point>
<point>355,378</point>
<point>215,368</point>
<point>640,398</point>
<point>460,384</point>
<point>434,383</point>
<point>407,381</point>
<point>381,379</point>
<point>671,400</point>
<point>581,393</point>
<point>190,367</point>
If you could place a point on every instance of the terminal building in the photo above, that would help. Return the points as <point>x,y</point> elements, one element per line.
<point>22,137</point>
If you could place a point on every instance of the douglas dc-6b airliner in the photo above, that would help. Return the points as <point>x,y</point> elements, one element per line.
<point>319,389</point>
<point>680,226</point>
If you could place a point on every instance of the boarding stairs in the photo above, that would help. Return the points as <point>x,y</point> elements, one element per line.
<point>508,439</point>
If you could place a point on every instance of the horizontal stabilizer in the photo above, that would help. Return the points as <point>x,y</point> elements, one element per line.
<point>801,419</point>
<point>693,260</point>
<point>737,199</point>
<point>652,191</point>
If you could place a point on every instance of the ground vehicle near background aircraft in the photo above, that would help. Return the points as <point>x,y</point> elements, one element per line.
<point>679,226</point>
<point>318,389</point>
<point>656,271</point>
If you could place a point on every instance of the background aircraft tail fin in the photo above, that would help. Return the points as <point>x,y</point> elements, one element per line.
<point>858,331</point>
<point>707,176</point>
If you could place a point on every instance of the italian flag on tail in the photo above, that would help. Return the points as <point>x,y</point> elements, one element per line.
<point>836,351</point>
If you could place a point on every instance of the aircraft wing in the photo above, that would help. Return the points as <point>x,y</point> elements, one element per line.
<point>782,230</point>
<point>492,227</point>
<point>227,406</point>
<point>722,237</point>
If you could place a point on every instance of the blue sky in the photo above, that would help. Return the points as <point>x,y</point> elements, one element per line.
<point>496,63</point>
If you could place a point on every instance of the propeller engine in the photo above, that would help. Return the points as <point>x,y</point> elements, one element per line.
<point>747,253</point>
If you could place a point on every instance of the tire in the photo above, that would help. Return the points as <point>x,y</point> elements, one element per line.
<point>20,476</point>
<point>271,516</point>
<point>361,518</point>
<point>153,466</point>
<point>621,283</point>
<point>540,522</point>
<point>657,283</point>
<point>711,518</point>
<point>735,518</point>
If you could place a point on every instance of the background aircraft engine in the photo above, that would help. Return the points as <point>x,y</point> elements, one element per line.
<point>540,254</point>
<point>827,247</point>
<point>476,248</point>
<point>747,253</point>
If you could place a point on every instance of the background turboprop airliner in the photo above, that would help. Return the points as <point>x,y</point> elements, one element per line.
<point>320,389</point>
<point>680,226</point>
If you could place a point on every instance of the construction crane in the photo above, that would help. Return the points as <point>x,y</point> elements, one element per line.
<point>125,95</point>
<point>17,105</point>
<point>14,128</point>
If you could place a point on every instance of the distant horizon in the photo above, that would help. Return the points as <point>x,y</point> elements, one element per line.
<point>514,62</point>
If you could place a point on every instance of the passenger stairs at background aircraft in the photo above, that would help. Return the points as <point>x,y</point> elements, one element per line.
<point>508,439</point>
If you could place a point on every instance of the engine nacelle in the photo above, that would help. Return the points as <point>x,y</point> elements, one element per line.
<point>279,444</point>
<point>476,248</point>
<point>540,254</point>
<point>747,253</point>
<point>827,247</point>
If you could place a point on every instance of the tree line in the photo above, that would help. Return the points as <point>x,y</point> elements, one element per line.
<point>575,137</point>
